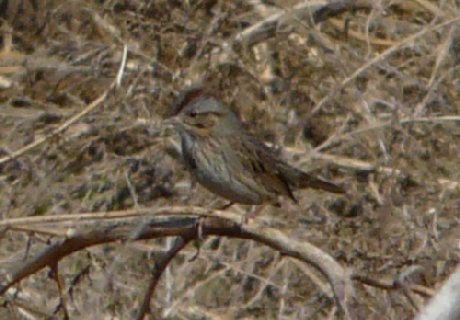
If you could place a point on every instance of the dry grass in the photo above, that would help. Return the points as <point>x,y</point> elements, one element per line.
<point>370,97</point>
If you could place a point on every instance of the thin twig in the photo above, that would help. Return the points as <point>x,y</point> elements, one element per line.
<point>121,69</point>
<point>383,124</point>
<point>407,41</point>
<point>59,129</point>
<point>160,267</point>
<point>390,285</point>
<point>122,214</point>
<point>62,301</point>
<point>73,119</point>
<point>315,11</point>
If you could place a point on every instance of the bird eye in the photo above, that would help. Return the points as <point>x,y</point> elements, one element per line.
<point>193,114</point>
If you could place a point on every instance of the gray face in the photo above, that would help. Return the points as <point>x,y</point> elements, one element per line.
<point>206,116</point>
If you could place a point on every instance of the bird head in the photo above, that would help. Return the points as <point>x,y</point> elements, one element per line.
<point>202,114</point>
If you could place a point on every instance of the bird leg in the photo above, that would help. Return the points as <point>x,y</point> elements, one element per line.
<point>199,237</point>
<point>251,214</point>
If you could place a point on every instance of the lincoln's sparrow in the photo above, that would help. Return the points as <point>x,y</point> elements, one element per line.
<point>228,160</point>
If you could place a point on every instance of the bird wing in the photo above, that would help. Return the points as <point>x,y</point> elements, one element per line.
<point>261,163</point>
<point>285,177</point>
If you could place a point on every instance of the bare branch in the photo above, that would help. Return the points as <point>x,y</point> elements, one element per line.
<point>391,285</point>
<point>185,227</point>
<point>54,272</point>
<point>158,270</point>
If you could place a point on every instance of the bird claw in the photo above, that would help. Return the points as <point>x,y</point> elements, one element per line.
<point>199,235</point>
<point>197,253</point>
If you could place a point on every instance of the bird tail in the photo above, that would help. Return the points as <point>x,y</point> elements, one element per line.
<point>309,181</point>
<point>300,179</point>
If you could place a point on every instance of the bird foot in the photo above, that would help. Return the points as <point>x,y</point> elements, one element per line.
<point>226,206</point>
